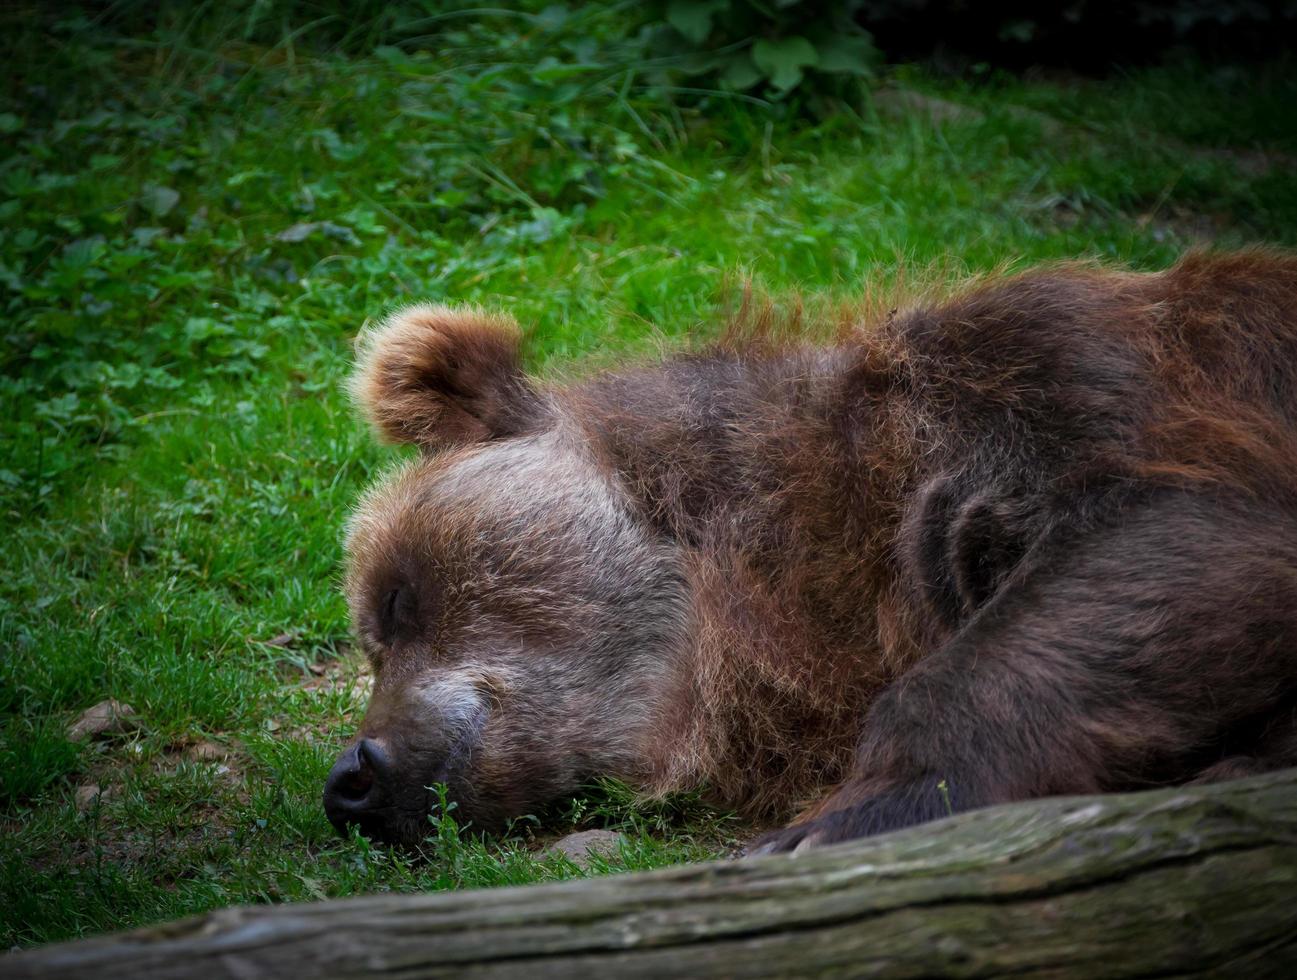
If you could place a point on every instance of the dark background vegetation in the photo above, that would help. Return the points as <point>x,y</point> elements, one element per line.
<point>200,203</point>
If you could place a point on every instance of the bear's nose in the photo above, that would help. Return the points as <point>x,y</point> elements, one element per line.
<point>354,787</point>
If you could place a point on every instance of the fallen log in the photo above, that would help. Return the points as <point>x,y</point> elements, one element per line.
<point>1199,879</point>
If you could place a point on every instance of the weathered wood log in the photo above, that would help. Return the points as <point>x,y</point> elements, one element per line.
<point>1199,879</point>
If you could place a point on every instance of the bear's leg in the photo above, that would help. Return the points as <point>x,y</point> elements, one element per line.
<point>1122,656</point>
<point>1275,748</point>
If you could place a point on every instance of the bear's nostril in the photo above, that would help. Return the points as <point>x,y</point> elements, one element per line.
<point>353,787</point>
<point>372,757</point>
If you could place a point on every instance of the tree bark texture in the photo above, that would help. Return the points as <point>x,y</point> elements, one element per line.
<point>1199,879</point>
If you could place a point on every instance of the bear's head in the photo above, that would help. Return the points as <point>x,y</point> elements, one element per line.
<point>521,623</point>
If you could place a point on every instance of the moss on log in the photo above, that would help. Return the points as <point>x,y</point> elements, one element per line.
<point>1199,879</point>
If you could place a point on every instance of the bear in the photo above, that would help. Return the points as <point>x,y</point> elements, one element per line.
<point>1035,536</point>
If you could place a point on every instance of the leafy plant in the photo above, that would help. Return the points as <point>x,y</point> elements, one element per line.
<point>746,43</point>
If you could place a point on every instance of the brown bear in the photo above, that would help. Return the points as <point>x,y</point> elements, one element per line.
<point>1036,538</point>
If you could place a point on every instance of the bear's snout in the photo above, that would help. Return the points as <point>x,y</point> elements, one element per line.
<point>385,782</point>
<point>358,786</point>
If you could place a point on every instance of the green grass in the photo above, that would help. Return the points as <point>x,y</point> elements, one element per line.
<point>196,219</point>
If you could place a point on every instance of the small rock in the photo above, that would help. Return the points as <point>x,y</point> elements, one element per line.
<point>89,793</point>
<point>86,795</point>
<point>207,752</point>
<point>105,718</point>
<point>579,847</point>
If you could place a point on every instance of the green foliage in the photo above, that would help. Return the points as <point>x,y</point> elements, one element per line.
<point>103,295</point>
<point>197,216</point>
<point>743,43</point>
<point>33,754</point>
<point>612,805</point>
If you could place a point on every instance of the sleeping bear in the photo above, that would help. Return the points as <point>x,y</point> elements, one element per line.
<point>1036,537</point>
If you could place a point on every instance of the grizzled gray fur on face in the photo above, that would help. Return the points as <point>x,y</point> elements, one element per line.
<point>1037,537</point>
<point>519,621</point>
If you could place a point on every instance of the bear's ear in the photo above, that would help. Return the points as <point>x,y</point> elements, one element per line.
<point>438,377</point>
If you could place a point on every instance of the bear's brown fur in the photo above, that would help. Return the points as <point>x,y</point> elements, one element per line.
<point>1037,538</point>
